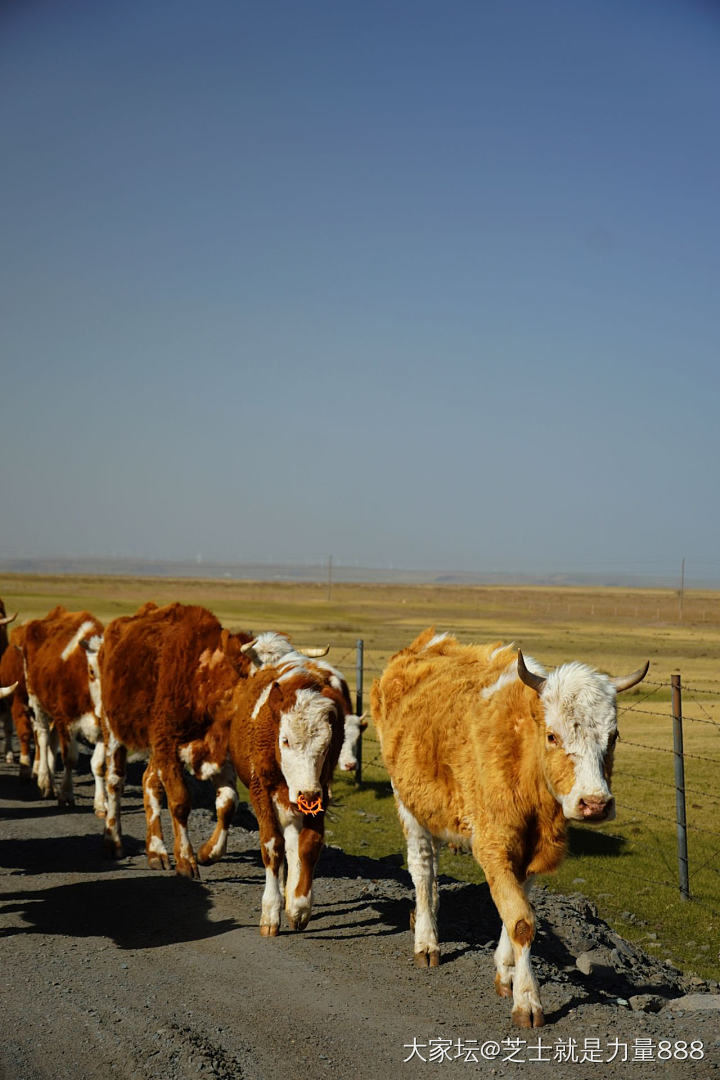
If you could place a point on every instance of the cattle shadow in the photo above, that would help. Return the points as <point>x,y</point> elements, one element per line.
<point>143,912</point>
<point>588,841</point>
<point>79,853</point>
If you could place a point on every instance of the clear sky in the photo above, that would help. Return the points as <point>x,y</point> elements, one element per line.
<point>415,284</point>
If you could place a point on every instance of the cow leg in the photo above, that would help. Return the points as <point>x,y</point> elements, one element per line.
<point>69,750</point>
<point>512,956</point>
<point>44,754</point>
<point>179,805</point>
<point>115,761</point>
<point>303,844</point>
<point>153,791</point>
<point>422,864</point>
<point>272,849</point>
<point>24,730</point>
<point>97,767</point>
<point>8,734</point>
<point>226,801</point>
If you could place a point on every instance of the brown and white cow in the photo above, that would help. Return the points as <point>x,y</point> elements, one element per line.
<point>5,703</point>
<point>495,755</point>
<point>16,707</point>
<point>272,648</point>
<point>166,676</point>
<point>285,739</point>
<point>62,698</point>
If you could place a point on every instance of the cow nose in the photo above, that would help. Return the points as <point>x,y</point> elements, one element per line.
<point>594,806</point>
<point>310,802</point>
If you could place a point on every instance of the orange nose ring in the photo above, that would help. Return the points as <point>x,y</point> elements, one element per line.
<point>311,808</point>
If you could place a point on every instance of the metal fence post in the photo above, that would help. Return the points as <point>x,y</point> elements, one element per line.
<point>680,788</point>
<point>359,705</point>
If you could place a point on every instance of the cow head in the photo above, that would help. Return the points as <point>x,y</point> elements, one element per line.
<point>304,735</point>
<point>271,648</point>
<point>577,732</point>
<point>354,726</point>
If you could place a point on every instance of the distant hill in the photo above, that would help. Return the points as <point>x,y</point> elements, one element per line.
<point>319,573</point>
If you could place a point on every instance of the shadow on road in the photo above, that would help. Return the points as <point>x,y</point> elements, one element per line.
<point>138,913</point>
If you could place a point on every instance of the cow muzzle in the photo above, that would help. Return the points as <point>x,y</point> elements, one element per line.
<point>310,802</point>
<point>596,809</point>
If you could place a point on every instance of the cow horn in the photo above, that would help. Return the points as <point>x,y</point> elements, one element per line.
<point>6,691</point>
<point>625,682</point>
<point>535,682</point>
<point>314,654</point>
<point>8,619</point>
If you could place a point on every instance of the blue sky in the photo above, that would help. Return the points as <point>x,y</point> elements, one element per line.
<point>413,284</point>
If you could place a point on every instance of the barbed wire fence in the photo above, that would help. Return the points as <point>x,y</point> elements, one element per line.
<point>685,775</point>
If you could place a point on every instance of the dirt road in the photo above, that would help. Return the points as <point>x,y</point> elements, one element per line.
<point>115,972</point>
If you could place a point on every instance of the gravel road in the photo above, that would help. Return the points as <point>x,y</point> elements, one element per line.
<point>115,972</point>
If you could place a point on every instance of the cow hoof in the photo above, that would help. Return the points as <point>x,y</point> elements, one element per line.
<point>209,854</point>
<point>112,850</point>
<point>525,1018</point>
<point>9,758</point>
<point>297,922</point>
<point>428,958</point>
<point>158,862</point>
<point>503,990</point>
<point>268,931</point>
<point>187,869</point>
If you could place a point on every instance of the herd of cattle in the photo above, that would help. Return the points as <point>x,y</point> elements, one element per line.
<point>485,750</point>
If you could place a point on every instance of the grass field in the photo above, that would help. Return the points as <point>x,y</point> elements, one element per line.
<point>628,867</point>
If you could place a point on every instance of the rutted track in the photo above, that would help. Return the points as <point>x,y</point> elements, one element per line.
<point>115,971</point>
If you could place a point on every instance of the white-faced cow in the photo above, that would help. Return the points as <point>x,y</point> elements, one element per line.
<point>285,739</point>
<point>166,675</point>
<point>272,648</point>
<point>495,755</point>
<point>62,698</point>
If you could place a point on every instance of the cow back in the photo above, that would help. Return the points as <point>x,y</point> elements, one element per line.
<point>163,671</point>
<point>55,666</point>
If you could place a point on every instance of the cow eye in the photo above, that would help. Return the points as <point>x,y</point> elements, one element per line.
<point>613,738</point>
<point>552,738</point>
<point>286,742</point>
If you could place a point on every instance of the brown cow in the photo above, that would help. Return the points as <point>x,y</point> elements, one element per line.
<point>285,739</point>
<point>5,703</point>
<point>165,674</point>
<point>495,756</point>
<point>271,648</point>
<point>61,695</point>
<point>18,709</point>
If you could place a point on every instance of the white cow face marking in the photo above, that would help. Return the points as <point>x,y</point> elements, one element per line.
<point>579,736</point>
<point>304,740</point>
